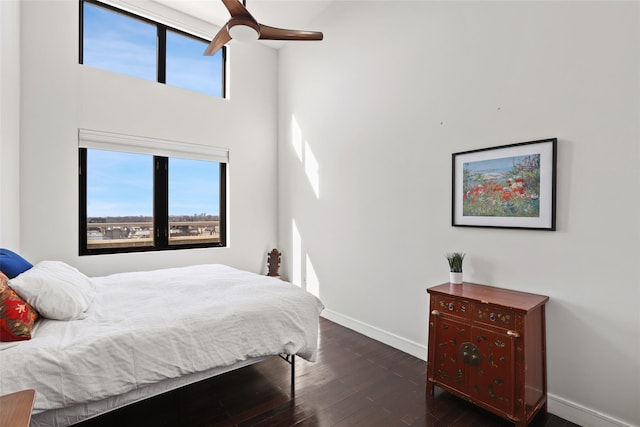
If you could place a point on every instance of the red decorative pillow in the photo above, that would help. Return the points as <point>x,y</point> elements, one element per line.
<point>16,315</point>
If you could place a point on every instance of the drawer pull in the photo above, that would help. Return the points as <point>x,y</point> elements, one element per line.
<point>435,313</point>
<point>451,306</point>
<point>513,334</point>
<point>492,317</point>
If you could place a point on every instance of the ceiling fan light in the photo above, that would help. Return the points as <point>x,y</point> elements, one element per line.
<point>243,33</point>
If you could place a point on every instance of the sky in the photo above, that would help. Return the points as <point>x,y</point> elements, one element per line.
<point>502,164</point>
<point>121,184</point>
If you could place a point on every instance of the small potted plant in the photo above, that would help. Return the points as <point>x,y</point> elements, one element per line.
<point>455,267</point>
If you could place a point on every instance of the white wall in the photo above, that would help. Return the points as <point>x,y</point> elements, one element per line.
<point>382,103</point>
<point>10,124</point>
<point>59,96</point>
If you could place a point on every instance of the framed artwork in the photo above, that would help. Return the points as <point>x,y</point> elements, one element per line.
<point>509,186</point>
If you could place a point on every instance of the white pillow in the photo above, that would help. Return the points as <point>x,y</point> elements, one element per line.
<point>56,290</point>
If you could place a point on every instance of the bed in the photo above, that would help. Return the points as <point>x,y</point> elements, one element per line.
<point>145,333</point>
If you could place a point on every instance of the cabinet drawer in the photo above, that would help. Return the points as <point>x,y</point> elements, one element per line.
<point>495,316</point>
<point>452,306</point>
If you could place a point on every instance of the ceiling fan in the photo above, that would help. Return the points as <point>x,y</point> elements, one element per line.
<point>243,26</point>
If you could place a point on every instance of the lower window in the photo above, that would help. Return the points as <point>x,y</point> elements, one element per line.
<point>143,202</point>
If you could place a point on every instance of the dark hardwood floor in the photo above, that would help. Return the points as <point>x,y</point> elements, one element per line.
<point>356,381</point>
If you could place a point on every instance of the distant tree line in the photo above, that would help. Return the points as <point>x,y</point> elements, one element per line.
<point>142,218</point>
<point>194,217</point>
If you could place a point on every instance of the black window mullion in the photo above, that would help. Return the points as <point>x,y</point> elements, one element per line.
<point>223,204</point>
<point>162,53</point>
<point>82,214</point>
<point>81,29</point>
<point>223,71</point>
<point>161,202</point>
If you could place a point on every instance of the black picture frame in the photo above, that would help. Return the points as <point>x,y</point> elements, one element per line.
<point>507,186</point>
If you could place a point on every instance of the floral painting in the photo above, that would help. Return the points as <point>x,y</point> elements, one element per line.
<point>508,186</point>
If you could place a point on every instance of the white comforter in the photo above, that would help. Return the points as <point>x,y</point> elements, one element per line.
<point>144,327</point>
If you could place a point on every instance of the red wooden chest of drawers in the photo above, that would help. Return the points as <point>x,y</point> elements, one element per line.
<point>487,345</point>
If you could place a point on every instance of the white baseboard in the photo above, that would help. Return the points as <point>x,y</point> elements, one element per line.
<point>559,406</point>
<point>581,415</point>
<point>411,347</point>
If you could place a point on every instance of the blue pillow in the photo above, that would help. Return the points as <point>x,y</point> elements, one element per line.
<point>12,264</point>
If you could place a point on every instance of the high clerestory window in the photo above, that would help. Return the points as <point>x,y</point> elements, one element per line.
<point>118,41</point>
<point>144,194</point>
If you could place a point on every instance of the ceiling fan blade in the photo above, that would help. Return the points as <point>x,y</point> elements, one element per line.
<point>272,33</point>
<point>218,41</point>
<point>237,9</point>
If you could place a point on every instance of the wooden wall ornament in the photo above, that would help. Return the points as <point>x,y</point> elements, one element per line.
<point>273,262</point>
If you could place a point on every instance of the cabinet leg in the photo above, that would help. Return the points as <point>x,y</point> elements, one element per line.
<point>430,390</point>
